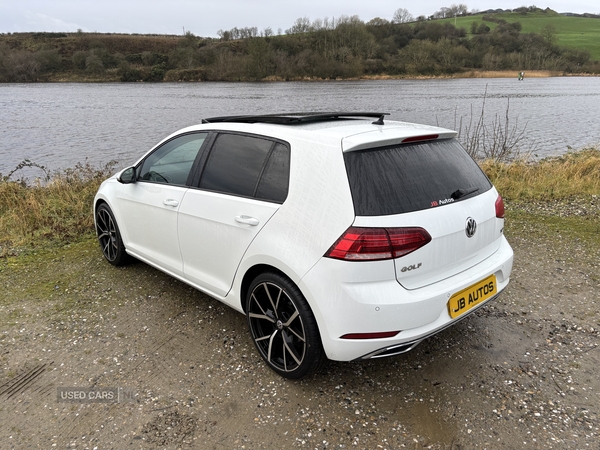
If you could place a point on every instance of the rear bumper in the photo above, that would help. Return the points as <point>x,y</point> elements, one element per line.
<point>398,349</point>
<point>349,297</point>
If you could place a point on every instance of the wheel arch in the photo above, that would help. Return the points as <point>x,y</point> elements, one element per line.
<point>97,202</point>
<point>102,199</point>
<point>251,274</point>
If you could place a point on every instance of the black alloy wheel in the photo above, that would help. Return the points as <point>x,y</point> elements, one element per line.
<point>283,326</point>
<point>109,236</point>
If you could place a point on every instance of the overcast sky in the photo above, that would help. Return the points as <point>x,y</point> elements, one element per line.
<point>206,17</point>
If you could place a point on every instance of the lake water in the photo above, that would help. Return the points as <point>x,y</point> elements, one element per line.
<point>58,125</point>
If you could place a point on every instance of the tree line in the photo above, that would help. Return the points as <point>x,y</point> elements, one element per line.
<point>344,47</point>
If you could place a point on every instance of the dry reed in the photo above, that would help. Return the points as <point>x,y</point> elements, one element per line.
<point>575,174</point>
<point>54,209</point>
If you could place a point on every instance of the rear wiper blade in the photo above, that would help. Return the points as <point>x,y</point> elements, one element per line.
<point>460,193</point>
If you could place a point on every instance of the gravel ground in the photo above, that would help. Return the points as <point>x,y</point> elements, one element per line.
<point>520,373</point>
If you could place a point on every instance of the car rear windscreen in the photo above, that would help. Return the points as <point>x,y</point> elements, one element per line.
<point>412,177</point>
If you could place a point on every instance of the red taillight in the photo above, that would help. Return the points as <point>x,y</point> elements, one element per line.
<point>375,244</point>
<point>499,208</point>
<point>427,137</point>
<point>381,335</point>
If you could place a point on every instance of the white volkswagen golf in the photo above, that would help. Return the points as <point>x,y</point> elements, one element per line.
<point>340,235</point>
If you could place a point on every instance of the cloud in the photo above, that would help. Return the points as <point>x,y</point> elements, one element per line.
<point>17,19</point>
<point>48,23</point>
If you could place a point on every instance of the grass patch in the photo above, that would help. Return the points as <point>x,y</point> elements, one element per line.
<point>48,265</point>
<point>56,209</point>
<point>575,174</point>
<point>551,227</point>
<point>574,239</point>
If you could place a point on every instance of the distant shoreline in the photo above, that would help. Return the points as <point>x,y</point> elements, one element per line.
<point>466,74</point>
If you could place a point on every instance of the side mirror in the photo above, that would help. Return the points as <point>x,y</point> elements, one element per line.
<point>128,176</point>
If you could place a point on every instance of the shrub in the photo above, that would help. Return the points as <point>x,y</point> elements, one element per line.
<point>131,75</point>
<point>93,64</point>
<point>78,59</point>
<point>186,75</point>
<point>157,73</point>
<point>49,60</point>
<point>55,209</point>
<point>134,58</point>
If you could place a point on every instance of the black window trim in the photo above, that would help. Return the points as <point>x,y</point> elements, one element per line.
<point>262,169</point>
<point>207,148</point>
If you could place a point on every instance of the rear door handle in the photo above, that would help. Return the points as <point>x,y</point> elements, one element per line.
<point>171,202</point>
<point>247,220</point>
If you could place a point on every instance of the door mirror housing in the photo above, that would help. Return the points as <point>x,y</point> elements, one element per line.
<point>128,176</point>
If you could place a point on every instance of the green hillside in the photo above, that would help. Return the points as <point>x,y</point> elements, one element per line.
<point>348,48</point>
<point>579,32</point>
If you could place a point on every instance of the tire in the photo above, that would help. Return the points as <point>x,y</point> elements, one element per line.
<point>283,327</point>
<point>109,236</point>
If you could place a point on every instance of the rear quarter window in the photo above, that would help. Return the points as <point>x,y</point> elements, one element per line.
<point>412,177</point>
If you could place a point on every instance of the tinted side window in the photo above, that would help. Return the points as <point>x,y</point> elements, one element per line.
<point>171,163</point>
<point>412,177</point>
<point>247,166</point>
<point>275,179</point>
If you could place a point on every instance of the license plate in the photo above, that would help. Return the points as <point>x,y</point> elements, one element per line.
<point>472,296</point>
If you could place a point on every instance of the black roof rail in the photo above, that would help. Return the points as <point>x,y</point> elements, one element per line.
<point>295,118</point>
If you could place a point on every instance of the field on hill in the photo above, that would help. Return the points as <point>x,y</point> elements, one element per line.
<point>579,32</point>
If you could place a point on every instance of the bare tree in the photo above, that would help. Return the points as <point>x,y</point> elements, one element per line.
<point>20,65</point>
<point>452,11</point>
<point>301,25</point>
<point>442,13</point>
<point>378,21</point>
<point>459,10</point>
<point>224,35</point>
<point>549,33</point>
<point>402,16</point>
<point>497,139</point>
<point>317,25</point>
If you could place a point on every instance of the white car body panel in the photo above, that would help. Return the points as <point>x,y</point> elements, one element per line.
<point>297,237</point>
<point>151,212</point>
<point>313,216</point>
<point>367,298</point>
<point>211,256</point>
